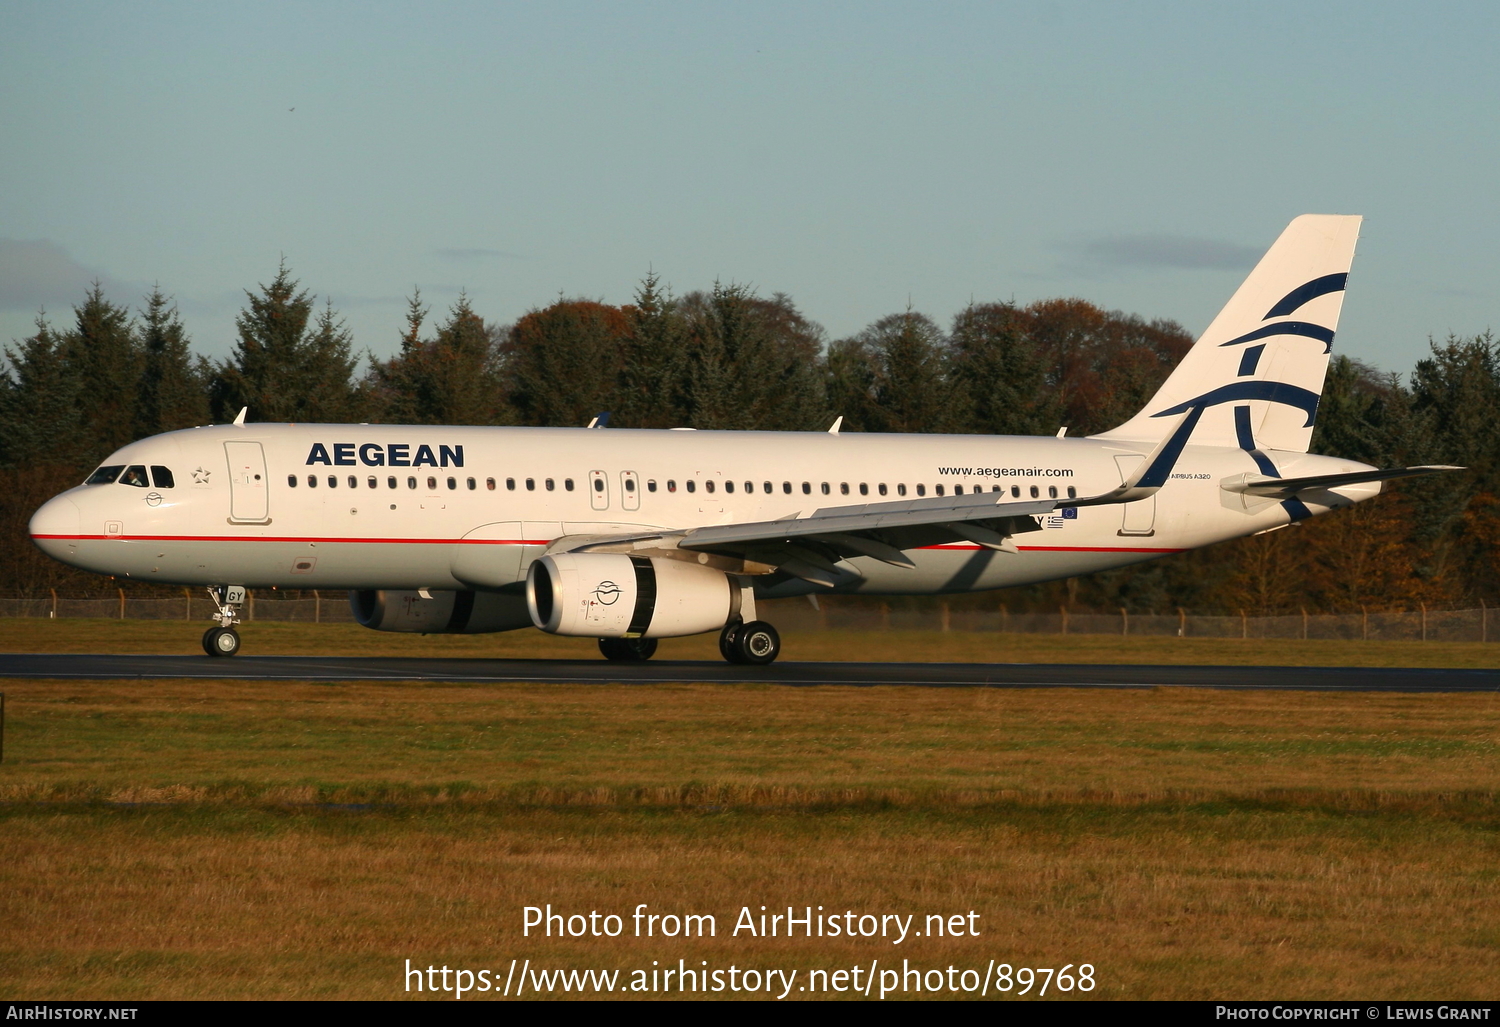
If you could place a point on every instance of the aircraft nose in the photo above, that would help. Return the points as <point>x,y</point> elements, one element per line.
<point>55,527</point>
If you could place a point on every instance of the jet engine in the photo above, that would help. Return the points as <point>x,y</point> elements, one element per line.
<point>438,613</point>
<point>605,595</point>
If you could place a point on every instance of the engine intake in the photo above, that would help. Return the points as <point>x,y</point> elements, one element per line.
<point>605,595</point>
<point>446,613</point>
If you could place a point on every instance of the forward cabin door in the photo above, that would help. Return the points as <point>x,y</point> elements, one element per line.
<point>1139,518</point>
<point>248,502</point>
<point>630,490</point>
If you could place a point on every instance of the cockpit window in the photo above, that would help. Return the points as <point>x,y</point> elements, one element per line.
<point>162,477</point>
<point>135,475</point>
<point>105,475</point>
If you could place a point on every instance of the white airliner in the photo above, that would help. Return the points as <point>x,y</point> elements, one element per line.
<point>631,535</point>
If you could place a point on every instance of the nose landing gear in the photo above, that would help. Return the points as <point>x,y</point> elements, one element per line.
<point>222,639</point>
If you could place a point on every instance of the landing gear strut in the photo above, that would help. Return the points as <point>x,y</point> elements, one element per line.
<point>755,643</point>
<point>222,639</point>
<point>629,650</point>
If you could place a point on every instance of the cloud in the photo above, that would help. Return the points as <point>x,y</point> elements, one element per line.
<point>1123,251</point>
<point>474,254</point>
<point>38,272</point>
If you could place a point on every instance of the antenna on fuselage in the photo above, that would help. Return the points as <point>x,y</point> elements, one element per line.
<point>239,419</point>
<point>837,423</point>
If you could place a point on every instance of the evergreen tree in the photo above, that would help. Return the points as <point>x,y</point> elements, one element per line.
<point>902,358</point>
<point>450,379</point>
<point>752,363</point>
<point>653,386</point>
<point>1003,376</point>
<point>172,392</point>
<point>41,420</point>
<point>282,368</point>
<point>104,354</point>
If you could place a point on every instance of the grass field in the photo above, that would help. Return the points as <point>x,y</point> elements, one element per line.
<point>231,839</point>
<point>271,638</point>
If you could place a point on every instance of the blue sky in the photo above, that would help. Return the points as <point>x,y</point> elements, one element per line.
<point>856,156</point>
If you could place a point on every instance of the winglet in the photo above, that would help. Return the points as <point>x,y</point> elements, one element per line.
<point>239,420</point>
<point>837,423</point>
<point>600,420</point>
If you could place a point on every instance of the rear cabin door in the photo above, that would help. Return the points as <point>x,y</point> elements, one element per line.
<point>247,483</point>
<point>1138,518</point>
<point>599,490</point>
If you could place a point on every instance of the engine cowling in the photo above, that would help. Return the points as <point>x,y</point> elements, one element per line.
<point>457,613</point>
<point>606,595</point>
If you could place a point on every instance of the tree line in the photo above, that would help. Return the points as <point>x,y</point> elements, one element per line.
<point>729,358</point>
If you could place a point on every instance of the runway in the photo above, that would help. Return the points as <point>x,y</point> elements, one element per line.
<point>600,672</point>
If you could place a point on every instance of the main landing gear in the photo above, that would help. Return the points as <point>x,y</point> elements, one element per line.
<point>222,639</point>
<point>628,650</point>
<point>755,643</point>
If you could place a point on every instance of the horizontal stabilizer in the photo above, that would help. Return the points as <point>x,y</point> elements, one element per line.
<point>1286,488</point>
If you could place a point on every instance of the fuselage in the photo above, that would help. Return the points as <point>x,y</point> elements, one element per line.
<point>422,507</point>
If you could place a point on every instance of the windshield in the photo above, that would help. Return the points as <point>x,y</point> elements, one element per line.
<point>135,475</point>
<point>105,475</point>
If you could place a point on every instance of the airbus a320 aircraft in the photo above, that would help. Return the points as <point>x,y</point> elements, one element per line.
<point>633,535</point>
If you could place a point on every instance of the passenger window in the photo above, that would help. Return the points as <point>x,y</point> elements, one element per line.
<point>921,490</point>
<point>807,488</point>
<point>750,486</point>
<point>901,489</point>
<point>938,489</point>
<point>531,484</point>
<point>333,481</point>
<point>390,482</point>
<point>472,483</point>
<point>411,482</point>
<point>996,488</point>
<point>431,483</point>
<point>373,482</point>
<point>709,485</point>
<point>786,487</point>
<point>728,486</point>
<point>692,486</point>
<point>353,482</point>
<point>864,489</point>
<point>629,484</point>
<point>844,488</point>
<point>1072,492</point>
<point>135,475</point>
<point>671,485</point>
<point>489,483</point>
<point>882,488</point>
<point>1051,491</point>
<point>291,479</point>
<point>510,484</point>
<point>958,490</point>
<point>551,485</point>
<point>1015,492</point>
<point>769,489</point>
<point>1035,492</point>
<point>312,481</point>
<point>650,484</point>
<point>105,475</point>
<point>826,489</point>
<point>162,477</point>
<point>568,484</point>
<point>452,484</point>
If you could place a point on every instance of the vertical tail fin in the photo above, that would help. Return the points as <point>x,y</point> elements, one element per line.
<point>1257,372</point>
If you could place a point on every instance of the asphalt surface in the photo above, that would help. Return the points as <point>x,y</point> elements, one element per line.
<point>932,675</point>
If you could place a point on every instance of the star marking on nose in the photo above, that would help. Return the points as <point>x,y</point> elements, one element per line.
<point>200,476</point>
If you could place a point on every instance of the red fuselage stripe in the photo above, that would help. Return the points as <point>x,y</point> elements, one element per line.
<point>513,542</point>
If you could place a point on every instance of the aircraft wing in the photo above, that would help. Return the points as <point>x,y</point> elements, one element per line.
<point>1286,488</point>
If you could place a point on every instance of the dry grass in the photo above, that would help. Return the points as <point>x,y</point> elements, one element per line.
<point>216,839</point>
<point>271,638</point>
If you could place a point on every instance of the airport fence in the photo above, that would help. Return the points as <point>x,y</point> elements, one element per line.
<point>792,615</point>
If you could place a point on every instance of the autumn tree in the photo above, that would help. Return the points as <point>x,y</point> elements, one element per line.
<point>1003,376</point>
<point>562,363</point>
